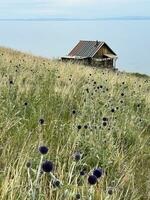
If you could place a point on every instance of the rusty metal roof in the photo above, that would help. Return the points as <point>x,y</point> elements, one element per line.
<point>86,48</point>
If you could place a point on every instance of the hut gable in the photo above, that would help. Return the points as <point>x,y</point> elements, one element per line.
<point>104,51</point>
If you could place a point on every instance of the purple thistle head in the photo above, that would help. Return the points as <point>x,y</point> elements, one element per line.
<point>43,149</point>
<point>77,156</point>
<point>41,121</point>
<point>92,179</point>
<point>47,166</point>
<point>98,172</point>
<point>78,196</point>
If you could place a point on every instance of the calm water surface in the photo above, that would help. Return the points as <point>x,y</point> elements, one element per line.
<point>129,39</point>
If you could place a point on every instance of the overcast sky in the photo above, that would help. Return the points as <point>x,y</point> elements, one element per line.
<point>73,8</point>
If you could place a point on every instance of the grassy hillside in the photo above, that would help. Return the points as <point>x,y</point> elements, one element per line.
<point>88,118</point>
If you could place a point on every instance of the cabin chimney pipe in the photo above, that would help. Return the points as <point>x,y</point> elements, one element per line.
<point>97,43</point>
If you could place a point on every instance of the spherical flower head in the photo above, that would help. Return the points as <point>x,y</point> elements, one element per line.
<point>41,121</point>
<point>47,166</point>
<point>25,103</point>
<point>77,156</point>
<point>110,191</point>
<point>43,149</point>
<point>82,173</point>
<point>92,179</point>
<point>11,82</point>
<point>28,164</point>
<point>98,172</point>
<point>78,196</point>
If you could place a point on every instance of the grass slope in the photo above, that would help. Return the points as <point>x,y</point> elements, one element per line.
<point>68,96</point>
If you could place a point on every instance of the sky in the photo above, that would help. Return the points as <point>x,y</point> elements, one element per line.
<point>10,9</point>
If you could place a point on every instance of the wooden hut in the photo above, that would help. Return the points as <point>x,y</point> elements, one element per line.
<point>94,53</point>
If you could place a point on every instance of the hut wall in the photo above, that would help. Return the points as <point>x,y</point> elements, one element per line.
<point>103,64</point>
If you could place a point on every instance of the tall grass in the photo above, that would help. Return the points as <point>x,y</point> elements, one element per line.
<point>103,115</point>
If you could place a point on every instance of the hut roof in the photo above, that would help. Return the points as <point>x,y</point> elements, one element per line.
<point>87,48</point>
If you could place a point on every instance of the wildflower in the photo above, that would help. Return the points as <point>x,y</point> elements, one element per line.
<point>82,173</point>
<point>41,121</point>
<point>47,166</point>
<point>92,179</point>
<point>73,112</point>
<point>77,156</point>
<point>85,126</point>
<point>43,149</point>
<point>25,103</point>
<point>112,110</point>
<point>28,164</point>
<point>10,82</point>
<point>79,127</point>
<point>98,172</point>
<point>78,196</point>
<point>110,191</point>
<point>105,119</point>
<point>104,123</point>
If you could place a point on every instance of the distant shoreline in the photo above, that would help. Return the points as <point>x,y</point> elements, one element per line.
<point>126,18</point>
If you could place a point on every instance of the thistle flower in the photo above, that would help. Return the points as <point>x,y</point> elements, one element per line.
<point>10,82</point>
<point>43,149</point>
<point>105,119</point>
<point>41,121</point>
<point>79,127</point>
<point>92,179</point>
<point>104,123</point>
<point>28,164</point>
<point>73,112</point>
<point>77,156</point>
<point>112,110</point>
<point>47,166</point>
<point>78,196</point>
<point>110,191</point>
<point>25,103</point>
<point>85,126</point>
<point>98,172</point>
<point>82,173</point>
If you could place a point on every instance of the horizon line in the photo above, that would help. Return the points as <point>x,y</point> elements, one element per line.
<point>78,19</point>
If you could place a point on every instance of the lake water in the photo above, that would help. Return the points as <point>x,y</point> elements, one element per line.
<point>129,39</point>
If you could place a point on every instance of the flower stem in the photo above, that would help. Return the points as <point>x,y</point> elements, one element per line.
<point>37,177</point>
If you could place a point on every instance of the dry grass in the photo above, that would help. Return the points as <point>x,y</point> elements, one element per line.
<point>52,90</point>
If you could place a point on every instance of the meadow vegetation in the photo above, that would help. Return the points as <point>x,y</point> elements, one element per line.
<point>87,118</point>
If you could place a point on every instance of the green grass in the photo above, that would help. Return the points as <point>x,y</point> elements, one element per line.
<point>52,90</point>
